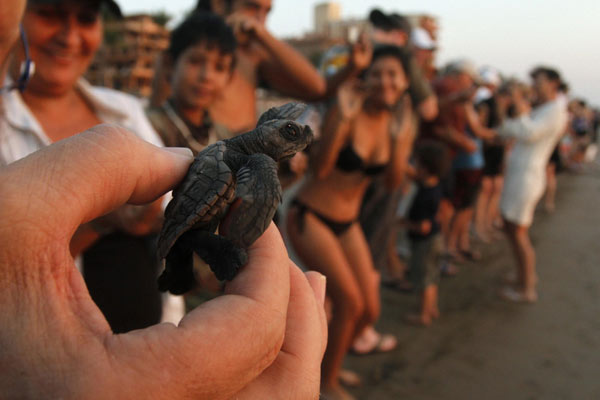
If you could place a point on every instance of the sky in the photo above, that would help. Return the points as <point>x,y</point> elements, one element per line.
<point>511,35</point>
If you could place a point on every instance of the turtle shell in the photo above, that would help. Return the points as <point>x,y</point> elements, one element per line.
<point>201,199</point>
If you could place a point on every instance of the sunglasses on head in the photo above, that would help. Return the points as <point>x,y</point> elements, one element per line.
<point>27,68</point>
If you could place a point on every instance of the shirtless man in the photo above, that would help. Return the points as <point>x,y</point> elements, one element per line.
<point>261,58</point>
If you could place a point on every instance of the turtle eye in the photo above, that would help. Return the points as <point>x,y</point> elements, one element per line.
<point>291,130</point>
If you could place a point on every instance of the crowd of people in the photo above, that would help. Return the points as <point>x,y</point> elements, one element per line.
<point>403,149</point>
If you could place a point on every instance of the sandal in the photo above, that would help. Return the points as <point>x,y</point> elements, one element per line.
<point>384,343</point>
<point>470,255</point>
<point>401,285</point>
<point>448,269</point>
<point>509,293</point>
<point>349,378</point>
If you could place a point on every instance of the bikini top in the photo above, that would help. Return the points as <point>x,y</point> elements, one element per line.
<point>349,161</point>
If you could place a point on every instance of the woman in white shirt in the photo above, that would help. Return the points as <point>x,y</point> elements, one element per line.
<point>536,133</point>
<point>63,37</point>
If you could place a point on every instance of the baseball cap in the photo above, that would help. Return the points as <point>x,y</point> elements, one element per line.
<point>421,39</point>
<point>490,76</point>
<point>467,67</point>
<point>389,22</point>
<point>111,5</point>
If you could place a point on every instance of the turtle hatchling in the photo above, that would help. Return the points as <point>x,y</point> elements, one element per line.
<point>231,185</point>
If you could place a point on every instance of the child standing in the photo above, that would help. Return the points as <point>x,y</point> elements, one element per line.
<point>200,64</point>
<point>424,231</point>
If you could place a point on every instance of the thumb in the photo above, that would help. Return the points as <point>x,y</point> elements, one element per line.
<point>88,175</point>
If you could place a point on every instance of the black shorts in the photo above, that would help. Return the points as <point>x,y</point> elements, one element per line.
<point>555,157</point>
<point>466,187</point>
<point>447,184</point>
<point>494,158</point>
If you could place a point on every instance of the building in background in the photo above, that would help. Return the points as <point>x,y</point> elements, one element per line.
<point>126,59</point>
<point>324,15</point>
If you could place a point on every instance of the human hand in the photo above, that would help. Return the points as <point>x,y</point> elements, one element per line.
<point>55,342</point>
<point>401,117</point>
<point>361,53</point>
<point>132,219</point>
<point>466,95</point>
<point>245,28</point>
<point>425,227</point>
<point>468,145</point>
<point>350,98</point>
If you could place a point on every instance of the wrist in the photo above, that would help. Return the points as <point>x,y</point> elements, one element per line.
<point>260,33</point>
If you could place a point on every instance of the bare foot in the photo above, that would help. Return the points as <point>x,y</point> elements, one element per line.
<point>482,236</point>
<point>335,393</point>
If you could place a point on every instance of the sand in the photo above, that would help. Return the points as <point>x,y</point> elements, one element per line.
<point>485,348</point>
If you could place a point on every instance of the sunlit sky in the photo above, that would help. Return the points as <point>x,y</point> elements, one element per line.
<point>512,35</point>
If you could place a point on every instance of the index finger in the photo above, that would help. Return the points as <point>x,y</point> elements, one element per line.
<point>230,340</point>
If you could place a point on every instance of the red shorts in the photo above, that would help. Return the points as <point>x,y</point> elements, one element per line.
<point>466,187</point>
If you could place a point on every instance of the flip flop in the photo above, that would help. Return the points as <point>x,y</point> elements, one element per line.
<point>349,378</point>
<point>453,256</point>
<point>385,343</point>
<point>448,269</point>
<point>509,293</point>
<point>471,255</point>
<point>401,285</point>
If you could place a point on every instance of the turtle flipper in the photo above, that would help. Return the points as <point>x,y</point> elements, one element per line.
<point>257,194</point>
<point>224,258</point>
<point>200,198</point>
<point>178,276</point>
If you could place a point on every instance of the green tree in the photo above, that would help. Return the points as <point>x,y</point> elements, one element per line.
<point>161,17</point>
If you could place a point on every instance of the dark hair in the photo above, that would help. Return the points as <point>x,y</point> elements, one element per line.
<point>206,6</point>
<point>389,22</point>
<point>389,50</point>
<point>563,87</point>
<point>202,27</point>
<point>433,157</point>
<point>549,73</point>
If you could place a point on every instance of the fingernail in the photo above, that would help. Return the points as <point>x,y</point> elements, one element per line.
<point>320,289</point>
<point>182,151</point>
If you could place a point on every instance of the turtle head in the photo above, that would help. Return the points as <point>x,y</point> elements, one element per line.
<point>281,139</point>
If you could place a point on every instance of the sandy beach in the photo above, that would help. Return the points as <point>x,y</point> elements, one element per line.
<point>485,348</point>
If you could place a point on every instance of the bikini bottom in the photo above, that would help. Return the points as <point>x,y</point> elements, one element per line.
<point>338,228</point>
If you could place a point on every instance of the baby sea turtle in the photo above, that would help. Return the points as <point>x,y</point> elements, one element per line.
<point>232,185</point>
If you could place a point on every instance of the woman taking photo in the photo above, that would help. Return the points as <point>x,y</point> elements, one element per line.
<point>367,132</point>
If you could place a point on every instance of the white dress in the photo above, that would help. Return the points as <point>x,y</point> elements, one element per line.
<point>535,136</point>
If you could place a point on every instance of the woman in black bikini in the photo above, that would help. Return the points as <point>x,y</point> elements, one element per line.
<point>366,133</point>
